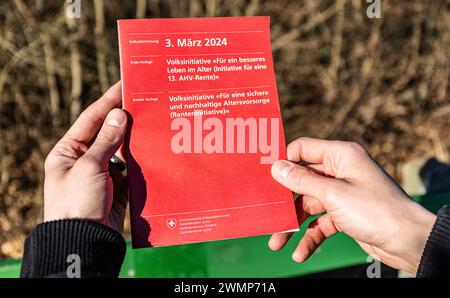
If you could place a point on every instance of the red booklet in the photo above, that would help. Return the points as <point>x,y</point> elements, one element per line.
<point>205,127</point>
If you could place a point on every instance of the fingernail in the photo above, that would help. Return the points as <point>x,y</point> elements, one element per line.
<point>281,169</point>
<point>272,243</point>
<point>116,118</point>
<point>297,257</point>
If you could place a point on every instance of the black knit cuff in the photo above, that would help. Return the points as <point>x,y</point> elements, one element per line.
<point>435,260</point>
<point>101,250</point>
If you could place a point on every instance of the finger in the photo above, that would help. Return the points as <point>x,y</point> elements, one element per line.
<point>309,205</point>
<point>321,170</point>
<point>317,168</point>
<point>305,207</point>
<point>278,241</point>
<point>309,150</point>
<point>321,155</point>
<point>86,126</point>
<point>331,154</point>
<point>318,231</point>
<point>304,181</point>
<point>108,140</point>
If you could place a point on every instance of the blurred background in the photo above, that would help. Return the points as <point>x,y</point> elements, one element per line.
<point>383,82</point>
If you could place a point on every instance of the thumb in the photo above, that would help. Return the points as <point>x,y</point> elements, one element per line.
<point>109,138</point>
<point>305,182</point>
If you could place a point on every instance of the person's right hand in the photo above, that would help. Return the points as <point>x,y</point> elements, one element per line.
<point>357,197</point>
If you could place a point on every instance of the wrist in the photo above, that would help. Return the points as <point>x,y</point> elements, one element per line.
<point>414,230</point>
<point>51,216</point>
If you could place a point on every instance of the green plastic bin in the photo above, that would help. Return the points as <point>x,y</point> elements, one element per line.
<point>246,257</point>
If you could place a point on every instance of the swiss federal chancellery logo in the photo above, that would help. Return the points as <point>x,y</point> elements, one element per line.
<point>171,223</point>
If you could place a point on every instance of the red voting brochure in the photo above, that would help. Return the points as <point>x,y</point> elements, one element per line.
<point>205,129</point>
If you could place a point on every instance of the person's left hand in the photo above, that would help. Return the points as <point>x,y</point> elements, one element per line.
<point>79,184</point>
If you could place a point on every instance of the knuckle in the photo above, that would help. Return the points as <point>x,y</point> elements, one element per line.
<point>107,137</point>
<point>297,174</point>
<point>294,148</point>
<point>303,139</point>
<point>334,191</point>
<point>292,151</point>
<point>291,145</point>
<point>88,116</point>
<point>49,162</point>
<point>329,193</point>
<point>298,143</point>
<point>355,148</point>
<point>89,163</point>
<point>295,143</point>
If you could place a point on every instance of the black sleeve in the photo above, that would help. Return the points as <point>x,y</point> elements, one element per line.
<point>435,260</point>
<point>55,249</point>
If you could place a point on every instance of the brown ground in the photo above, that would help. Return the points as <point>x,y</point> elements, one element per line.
<point>383,83</point>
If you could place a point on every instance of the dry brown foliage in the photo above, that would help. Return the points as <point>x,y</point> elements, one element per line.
<point>381,82</point>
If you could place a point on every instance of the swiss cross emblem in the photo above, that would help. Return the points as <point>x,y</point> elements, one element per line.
<point>171,223</point>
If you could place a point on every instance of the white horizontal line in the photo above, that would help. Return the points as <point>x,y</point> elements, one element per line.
<point>156,33</point>
<point>244,53</point>
<point>222,209</point>
<point>218,89</point>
